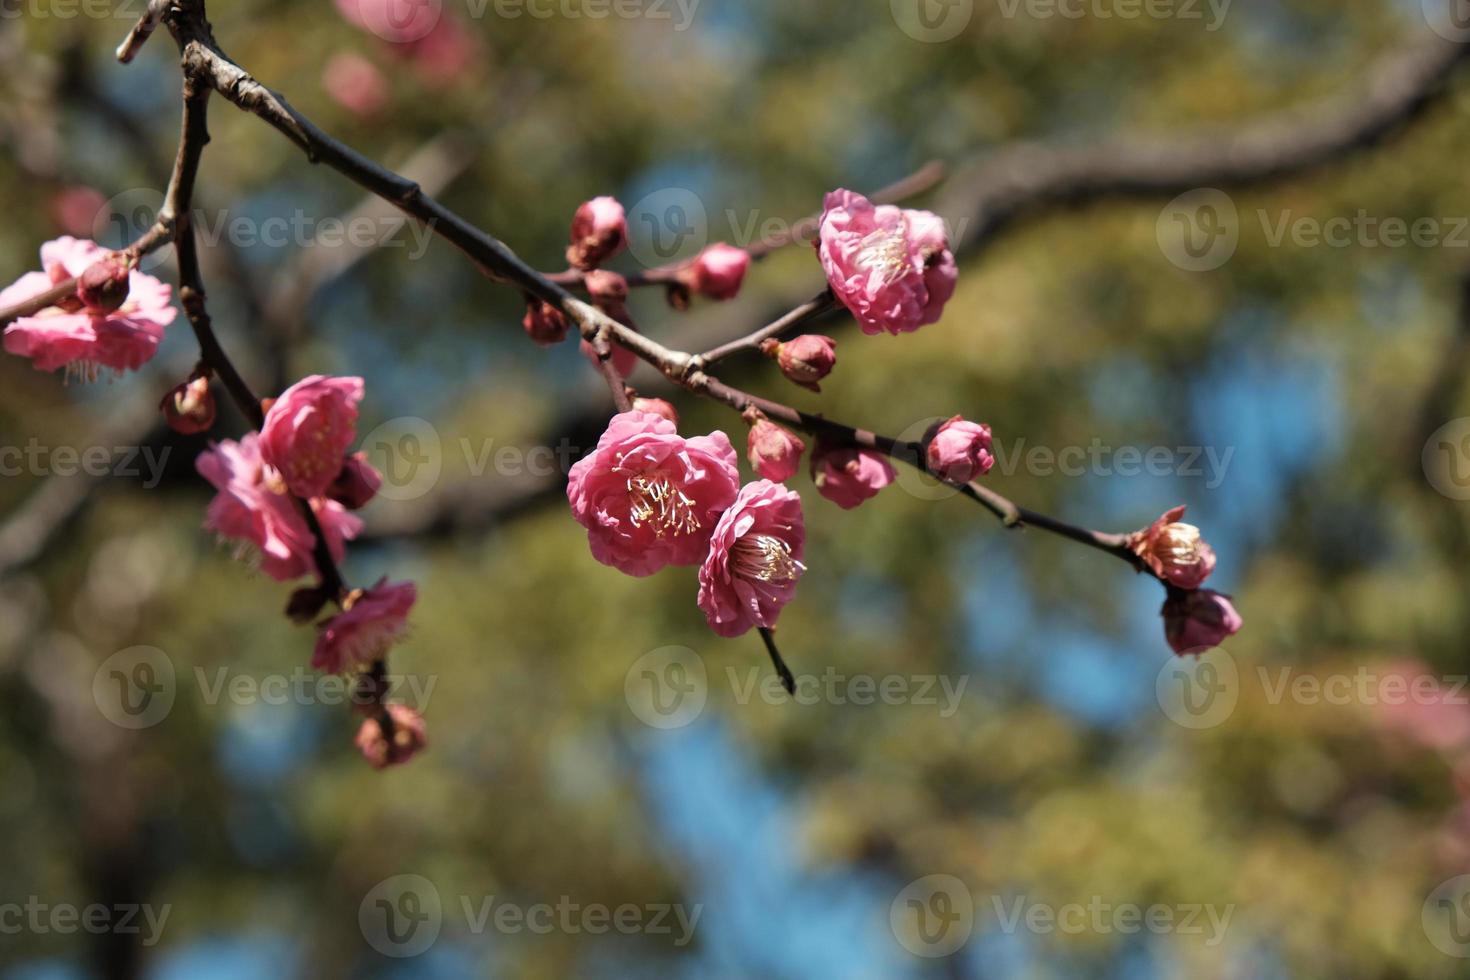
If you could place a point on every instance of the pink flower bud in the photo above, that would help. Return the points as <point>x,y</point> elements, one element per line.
<point>357,484</point>
<point>189,407</point>
<point>103,287</point>
<point>773,451</point>
<point>1173,551</point>
<point>656,406</point>
<point>1197,620</point>
<point>959,451</point>
<point>599,231</point>
<point>544,323</point>
<point>804,360</point>
<point>609,291</point>
<point>409,736</point>
<point>719,271</point>
<point>848,476</point>
<point>355,84</point>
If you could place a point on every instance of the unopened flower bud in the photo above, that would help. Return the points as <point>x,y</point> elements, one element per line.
<point>599,231</point>
<point>805,360</point>
<point>357,484</point>
<point>1197,620</point>
<point>103,286</point>
<point>719,271</point>
<point>609,291</point>
<point>656,406</point>
<point>306,604</point>
<point>544,323</point>
<point>773,451</point>
<point>958,451</point>
<point>847,475</point>
<point>189,407</point>
<point>1173,551</point>
<point>407,735</point>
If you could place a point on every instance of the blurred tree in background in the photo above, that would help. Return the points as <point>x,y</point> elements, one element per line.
<point>1293,388</point>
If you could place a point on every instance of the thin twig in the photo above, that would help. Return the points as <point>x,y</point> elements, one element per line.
<point>809,310</point>
<point>788,679</point>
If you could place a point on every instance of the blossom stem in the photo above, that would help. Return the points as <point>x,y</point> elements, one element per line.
<point>788,679</point>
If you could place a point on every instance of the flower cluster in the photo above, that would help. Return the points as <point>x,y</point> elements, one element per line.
<point>115,321</point>
<point>1195,619</point>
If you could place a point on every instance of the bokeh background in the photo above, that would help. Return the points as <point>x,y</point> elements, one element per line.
<point>1306,809</point>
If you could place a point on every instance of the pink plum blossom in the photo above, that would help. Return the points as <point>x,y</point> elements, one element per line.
<point>355,84</point>
<point>773,451</point>
<point>1198,620</point>
<point>79,338</point>
<point>719,271</point>
<point>371,622</point>
<point>395,21</point>
<point>805,360</point>
<point>891,267</point>
<point>308,431</point>
<point>409,738</point>
<point>649,497</point>
<point>754,559</point>
<point>357,484</point>
<point>599,231</point>
<point>253,508</point>
<point>189,407</point>
<point>847,475</point>
<point>959,451</point>
<point>1173,551</point>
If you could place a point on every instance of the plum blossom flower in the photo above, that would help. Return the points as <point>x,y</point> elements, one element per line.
<point>253,508</point>
<point>649,497</point>
<point>357,484</point>
<point>410,737</point>
<point>80,338</point>
<point>371,621</point>
<point>719,271</point>
<point>356,84</point>
<point>805,360</point>
<point>544,323</point>
<point>656,406</point>
<point>599,231</point>
<point>847,475</point>
<point>959,451</point>
<point>1197,620</point>
<point>773,451</point>
<point>395,21</point>
<point>891,267</point>
<point>189,407</point>
<point>754,559</point>
<point>1175,552</point>
<point>308,431</point>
